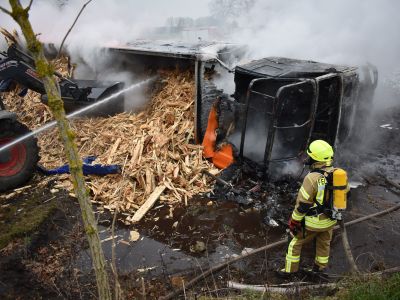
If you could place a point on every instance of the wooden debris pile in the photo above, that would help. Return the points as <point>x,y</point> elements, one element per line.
<point>153,147</point>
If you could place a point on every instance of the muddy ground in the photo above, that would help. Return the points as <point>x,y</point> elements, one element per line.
<point>44,253</point>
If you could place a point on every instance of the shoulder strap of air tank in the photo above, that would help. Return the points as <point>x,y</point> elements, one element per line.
<point>323,172</point>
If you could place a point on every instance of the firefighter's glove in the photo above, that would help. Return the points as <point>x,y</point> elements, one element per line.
<point>294,226</point>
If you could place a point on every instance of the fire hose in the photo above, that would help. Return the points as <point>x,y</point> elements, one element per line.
<point>221,266</point>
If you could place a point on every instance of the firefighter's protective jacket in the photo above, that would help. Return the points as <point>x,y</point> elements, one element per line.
<point>312,190</point>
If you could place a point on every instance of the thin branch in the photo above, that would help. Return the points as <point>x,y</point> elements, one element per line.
<point>118,290</point>
<point>29,6</point>
<point>143,288</point>
<point>72,26</point>
<point>118,293</point>
<point>5,11</point>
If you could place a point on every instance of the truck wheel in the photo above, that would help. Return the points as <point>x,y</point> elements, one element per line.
<point>17,163</point>
<point>2,106</point>
<point>210,93</point>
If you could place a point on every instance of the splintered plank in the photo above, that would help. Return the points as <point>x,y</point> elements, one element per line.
<point>114,148</point>
<point>139,214</point>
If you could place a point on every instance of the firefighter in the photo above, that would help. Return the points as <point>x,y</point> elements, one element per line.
<point>311,218</point>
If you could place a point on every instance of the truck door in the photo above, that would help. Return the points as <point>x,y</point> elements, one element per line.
<point>292,122</point>
<point>255,118</point>
<point>277,119</point>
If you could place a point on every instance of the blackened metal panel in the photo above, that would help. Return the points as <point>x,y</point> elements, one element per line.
<point>199,71</point>
<point>330,92</point>
<point>293,120</point>
<point>288,68</point>
<point>257,112</point>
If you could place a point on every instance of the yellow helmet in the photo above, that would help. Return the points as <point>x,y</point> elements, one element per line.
<point>320,150</point>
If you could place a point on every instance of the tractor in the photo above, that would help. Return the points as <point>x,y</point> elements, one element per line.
<point>18,162</point>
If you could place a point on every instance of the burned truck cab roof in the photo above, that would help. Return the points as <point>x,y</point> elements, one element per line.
<point>288,67</point>
<point>284,70</point>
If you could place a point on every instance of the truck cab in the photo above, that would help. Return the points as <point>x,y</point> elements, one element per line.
<point>280,105</point>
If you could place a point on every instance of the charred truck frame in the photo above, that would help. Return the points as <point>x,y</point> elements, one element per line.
<point>278,106</point>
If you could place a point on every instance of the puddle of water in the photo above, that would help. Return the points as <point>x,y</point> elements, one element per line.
<point>168,238</point>
<point>150,257</point>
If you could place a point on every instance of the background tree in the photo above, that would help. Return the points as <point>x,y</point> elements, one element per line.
<point>230,9</point>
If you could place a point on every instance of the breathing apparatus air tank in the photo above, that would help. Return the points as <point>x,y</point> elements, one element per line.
<point>340,189</point>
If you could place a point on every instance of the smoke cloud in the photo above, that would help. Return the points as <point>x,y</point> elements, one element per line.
<point>333,31</point>
<point>102,23</point>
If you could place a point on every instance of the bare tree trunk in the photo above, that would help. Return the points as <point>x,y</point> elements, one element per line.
<point>46,73</point>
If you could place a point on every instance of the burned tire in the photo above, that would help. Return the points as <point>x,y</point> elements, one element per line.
<point>17,163</point>
<point>209,94</point>
<point>2,106</point>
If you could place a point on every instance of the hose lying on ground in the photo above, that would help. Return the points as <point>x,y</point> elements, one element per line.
<point>221,266</point>
<point>278,290</point>
<point>347,248</point>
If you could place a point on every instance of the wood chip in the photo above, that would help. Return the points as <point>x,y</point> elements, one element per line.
<point>134,236</point>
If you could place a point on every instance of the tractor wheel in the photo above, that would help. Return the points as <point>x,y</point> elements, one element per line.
<point>18,162</point>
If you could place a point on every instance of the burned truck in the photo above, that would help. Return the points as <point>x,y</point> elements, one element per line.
<point>279,106</point>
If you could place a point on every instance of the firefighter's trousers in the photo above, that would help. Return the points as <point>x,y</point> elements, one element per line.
<point>323,240</point>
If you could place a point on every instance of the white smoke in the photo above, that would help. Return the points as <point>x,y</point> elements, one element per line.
<point>341,31</point>
<point>102,23</point>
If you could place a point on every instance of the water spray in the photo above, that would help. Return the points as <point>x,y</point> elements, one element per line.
<point>77,113</point>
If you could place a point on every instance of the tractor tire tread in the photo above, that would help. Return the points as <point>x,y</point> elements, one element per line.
<point>12,128</point>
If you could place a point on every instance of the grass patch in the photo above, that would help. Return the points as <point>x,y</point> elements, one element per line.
<point>23,217</point>
<point>374,289</point>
